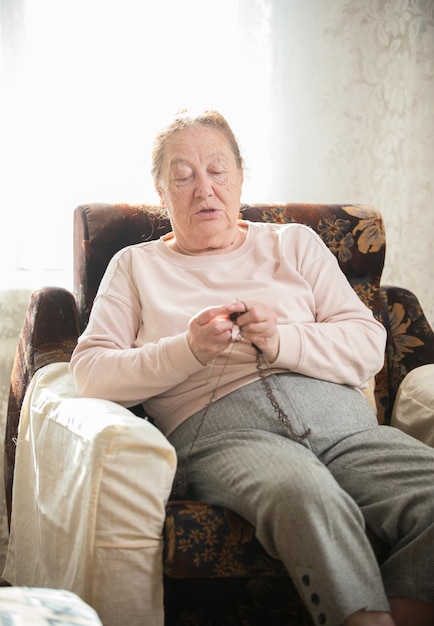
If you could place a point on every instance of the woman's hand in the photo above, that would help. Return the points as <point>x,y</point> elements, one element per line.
<point>210,332</point>
<point>258,325</point>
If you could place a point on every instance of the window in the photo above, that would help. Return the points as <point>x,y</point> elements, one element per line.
<point>88,83</point>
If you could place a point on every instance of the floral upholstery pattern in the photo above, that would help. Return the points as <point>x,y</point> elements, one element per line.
<point>215,570</point>
<point>411,338</point>
<point>231,548</point>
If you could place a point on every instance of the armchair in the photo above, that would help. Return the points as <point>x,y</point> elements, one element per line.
<point>215,571</point>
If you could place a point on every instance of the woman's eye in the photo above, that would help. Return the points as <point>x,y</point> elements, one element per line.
<point>182,177</point>
<point>218,173</point>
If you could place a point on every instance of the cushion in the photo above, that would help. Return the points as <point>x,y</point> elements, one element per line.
<point>90,490</point>
<point>21,606</point>
<point>413,411</point>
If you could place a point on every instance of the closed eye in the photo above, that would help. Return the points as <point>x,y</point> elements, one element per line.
<point>219,174</point>
<point>182,180</point>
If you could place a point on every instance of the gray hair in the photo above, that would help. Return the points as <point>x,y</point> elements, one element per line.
<point>183,120</point>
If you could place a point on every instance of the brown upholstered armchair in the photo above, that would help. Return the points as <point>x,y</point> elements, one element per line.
<point>215,571</point>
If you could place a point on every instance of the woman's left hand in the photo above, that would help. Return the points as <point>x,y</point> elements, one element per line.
<point>258,325</point>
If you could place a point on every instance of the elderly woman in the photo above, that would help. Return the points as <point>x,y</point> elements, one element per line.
<point>248,348</point>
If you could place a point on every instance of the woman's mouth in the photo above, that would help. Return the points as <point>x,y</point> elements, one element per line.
<point>208,211</point>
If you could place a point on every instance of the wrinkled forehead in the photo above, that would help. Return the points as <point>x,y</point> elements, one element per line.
<point>197,143</point>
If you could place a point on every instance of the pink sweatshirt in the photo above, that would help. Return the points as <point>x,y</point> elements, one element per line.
<point>135,350</point>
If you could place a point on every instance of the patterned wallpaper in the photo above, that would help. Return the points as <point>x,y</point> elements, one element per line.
<point>354,87</point>
<point>392,72</point>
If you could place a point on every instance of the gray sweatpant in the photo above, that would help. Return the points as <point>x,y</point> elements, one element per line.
<point>309,501</point>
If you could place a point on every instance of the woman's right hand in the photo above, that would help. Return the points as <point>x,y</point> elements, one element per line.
<point>210,333</point>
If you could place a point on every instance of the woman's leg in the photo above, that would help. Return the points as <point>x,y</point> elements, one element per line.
<point>243,459</point>
<point>390,476</point>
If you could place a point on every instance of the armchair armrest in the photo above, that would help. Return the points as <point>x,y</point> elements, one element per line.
<point>410,337</point>
<point>49,334</point>
<point>92,483</point>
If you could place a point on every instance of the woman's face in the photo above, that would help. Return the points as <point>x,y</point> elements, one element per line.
<point>200,185</point>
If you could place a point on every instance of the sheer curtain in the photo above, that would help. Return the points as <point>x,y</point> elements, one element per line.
<point>86,84</point>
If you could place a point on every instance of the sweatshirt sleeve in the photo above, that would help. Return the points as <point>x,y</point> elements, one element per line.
<point>108,363</point>
<point>343,343</point>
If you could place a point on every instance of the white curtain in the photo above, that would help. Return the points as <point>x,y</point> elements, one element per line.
<point>86,84</point>
<point>331,100</point>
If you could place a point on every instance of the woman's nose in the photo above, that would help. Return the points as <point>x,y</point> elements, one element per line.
<point>203,187</point>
